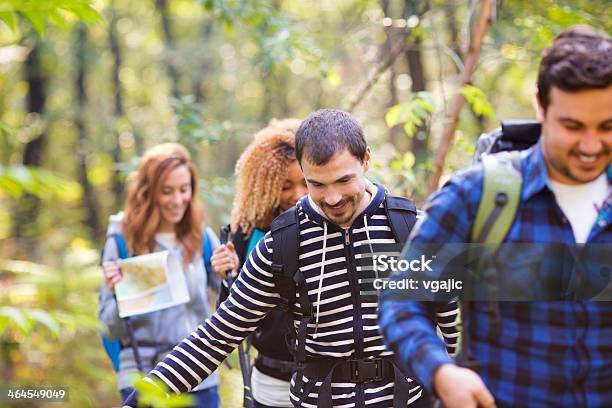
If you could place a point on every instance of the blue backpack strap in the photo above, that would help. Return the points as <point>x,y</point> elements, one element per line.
<point>113,347</point>
<point>121,246</point>
<point>206,249</point>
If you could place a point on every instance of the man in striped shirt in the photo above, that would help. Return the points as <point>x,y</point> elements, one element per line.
<point>342,223</point>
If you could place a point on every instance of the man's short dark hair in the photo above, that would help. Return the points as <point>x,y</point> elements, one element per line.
<point>579,59</point>
<point>327,132</point>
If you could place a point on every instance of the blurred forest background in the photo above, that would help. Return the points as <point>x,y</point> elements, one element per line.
<point>87,85</point>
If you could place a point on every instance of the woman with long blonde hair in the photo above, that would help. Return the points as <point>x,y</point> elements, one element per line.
<point>269,180</point>
<point>162,212</point>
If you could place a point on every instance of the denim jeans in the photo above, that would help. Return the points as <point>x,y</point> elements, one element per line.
<point>206,398</point>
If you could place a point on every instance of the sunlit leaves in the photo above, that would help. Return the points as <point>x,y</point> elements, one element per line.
<point>477,100</point>
<point>26,320</point>
<point>40,13</point>
<point>412,114</point>
<point>539,29</point>
<point>44,184</point>
<point>193,130</point>
<point>157,395</point>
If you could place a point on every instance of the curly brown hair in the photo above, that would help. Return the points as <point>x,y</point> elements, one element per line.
<point>142,215</point>
<point>261,171</point>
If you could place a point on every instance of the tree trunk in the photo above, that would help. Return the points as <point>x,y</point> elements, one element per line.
<point>118,111</point>
<point>395,132</point>
<point>414,60</point>
<point>171,68</point>
<point>37,96</point>
<point>82,149</point>
<point>200,72</point>
<point>458,100</point>
<point>26,214</point>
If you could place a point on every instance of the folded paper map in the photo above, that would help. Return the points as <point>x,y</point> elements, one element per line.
<point>150,282</point>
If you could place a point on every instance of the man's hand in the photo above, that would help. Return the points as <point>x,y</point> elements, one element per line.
<point>461,388</point>
<point>225,259</point>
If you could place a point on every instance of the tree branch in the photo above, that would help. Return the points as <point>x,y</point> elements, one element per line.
<point>458,100</point>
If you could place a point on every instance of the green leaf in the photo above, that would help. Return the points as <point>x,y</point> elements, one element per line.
<point>412,113</point>
<point>477,100</point>
<point>10,186</point>
<point>41,316</point>
<point>10,19</point>
<point>15,316</point>
<point>408,160</point>
<point>156,394</point>
<point>39,182</point>
<point>36,19</point>
<point>392,117</point>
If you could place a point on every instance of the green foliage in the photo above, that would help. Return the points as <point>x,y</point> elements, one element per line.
<point>539,29</point>
<point>477,100</point>
<point>412,113</point>
<point>15,180</point>
<point>193,130</point>
<point>40,13</point>
<point>52,312</point>
<point>156,394</point>
<point>218,194</point>
<point>25,320</point>
<point>245,61</point>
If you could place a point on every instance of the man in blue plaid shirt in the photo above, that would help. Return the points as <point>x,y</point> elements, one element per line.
<point>545,354</point>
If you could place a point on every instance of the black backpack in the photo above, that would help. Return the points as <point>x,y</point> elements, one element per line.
<point>289,280</point>
<point>513,135</point>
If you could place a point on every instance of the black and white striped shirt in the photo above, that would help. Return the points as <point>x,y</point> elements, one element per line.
<point>337,265</point>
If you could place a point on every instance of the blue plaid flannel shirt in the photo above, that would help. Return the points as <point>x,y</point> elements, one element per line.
<point>545,353</point>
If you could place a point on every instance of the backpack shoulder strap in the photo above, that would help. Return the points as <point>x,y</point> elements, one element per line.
<point>206,249</point>
<point>501,194</point>
<point>113,347</point>
<point>122,247</point>
<point>291,283</point>
<point>401,213</point>
<point>285,230</point>
<point>241,243</point>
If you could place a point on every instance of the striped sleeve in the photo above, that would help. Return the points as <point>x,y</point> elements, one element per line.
<point>447,320</point>
<point>252,295</point>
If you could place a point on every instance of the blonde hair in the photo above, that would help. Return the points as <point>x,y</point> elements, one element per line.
<point>142,215</point>
<point>261,172</point>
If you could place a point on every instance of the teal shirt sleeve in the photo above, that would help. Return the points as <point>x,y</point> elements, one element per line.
<point>256,235</point>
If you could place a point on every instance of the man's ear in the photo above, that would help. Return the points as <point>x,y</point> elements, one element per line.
<point>540,111</point>
<point>366,158</point>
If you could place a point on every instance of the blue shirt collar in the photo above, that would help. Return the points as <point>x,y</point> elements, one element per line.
<point>535,173</point>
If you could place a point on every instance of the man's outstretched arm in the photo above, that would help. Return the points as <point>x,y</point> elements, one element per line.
<point>252,295</point>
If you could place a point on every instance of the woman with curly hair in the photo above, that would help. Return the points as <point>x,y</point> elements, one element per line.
<point>162,212</point>
<point>269,181</point>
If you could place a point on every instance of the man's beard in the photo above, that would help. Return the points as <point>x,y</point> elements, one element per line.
<point>350,204</point>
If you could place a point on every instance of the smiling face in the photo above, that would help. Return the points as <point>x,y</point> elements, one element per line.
<point>339,186</point>
<point>174,197</point>
<point>294,186</point>
<point>577,134</point>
